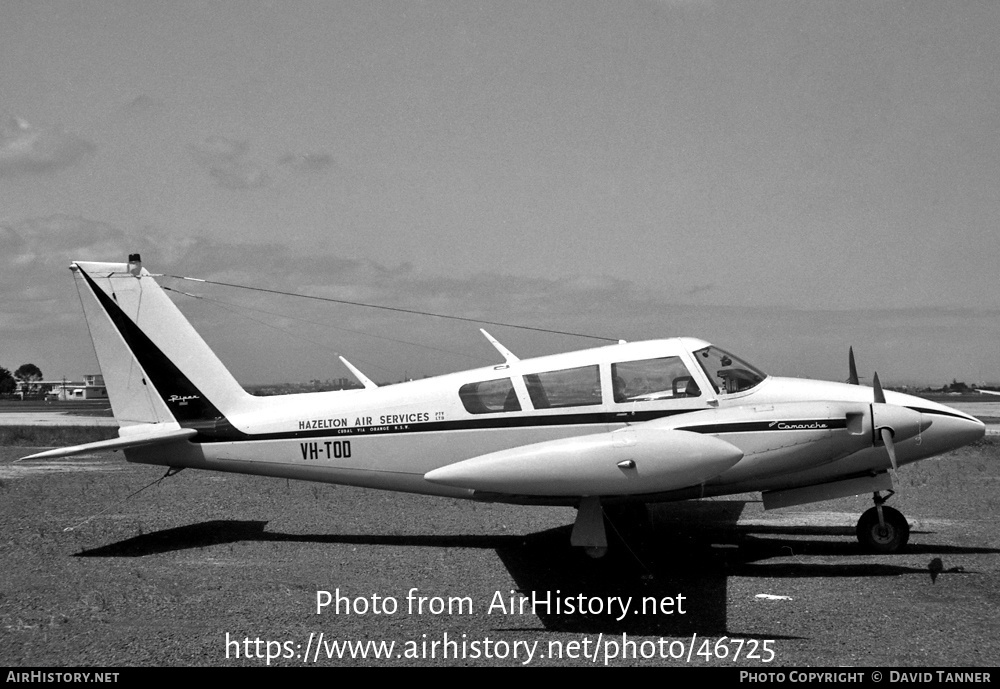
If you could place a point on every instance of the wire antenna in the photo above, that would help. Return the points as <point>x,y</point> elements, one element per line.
<point>393,308</point>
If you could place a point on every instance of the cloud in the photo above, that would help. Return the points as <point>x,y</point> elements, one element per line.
<point>230,164</point>
<point>219,149</point>
<point>239,176</point>
<point>25,149</point>
<point>39,310</point>
<point>227,163</point>
<point>306,162</point>
<point>36,293</point>
<point>143,105</point>
<point>38,300</point>
<point>55,239</point>
<point>700,289</point>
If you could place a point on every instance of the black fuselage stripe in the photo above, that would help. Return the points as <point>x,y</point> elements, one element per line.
<point>474,424</point>
<point>767,426</point>
<point>789,425</point>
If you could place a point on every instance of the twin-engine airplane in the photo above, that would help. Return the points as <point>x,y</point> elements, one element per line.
<point>631,423</point>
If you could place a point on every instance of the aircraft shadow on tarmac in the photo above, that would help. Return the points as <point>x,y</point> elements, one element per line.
<point>693,552</point>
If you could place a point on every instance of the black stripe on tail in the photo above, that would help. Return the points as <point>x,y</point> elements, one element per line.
<point>184,400</point>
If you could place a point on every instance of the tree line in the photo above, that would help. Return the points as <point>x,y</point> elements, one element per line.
<point>24,373</point>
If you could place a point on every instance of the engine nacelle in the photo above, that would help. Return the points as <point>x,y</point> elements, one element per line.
<point>628,461</point>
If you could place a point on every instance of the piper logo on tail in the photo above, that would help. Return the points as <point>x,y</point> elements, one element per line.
<point>182,400</point>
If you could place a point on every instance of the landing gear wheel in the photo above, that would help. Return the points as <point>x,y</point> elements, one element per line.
<point>875,538</point>
<point>596,552</point>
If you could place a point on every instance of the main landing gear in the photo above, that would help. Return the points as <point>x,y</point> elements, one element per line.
<point>624,523</point>
<point>882,529</point>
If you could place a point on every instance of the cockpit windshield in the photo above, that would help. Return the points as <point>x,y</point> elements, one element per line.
<point>726,372</point>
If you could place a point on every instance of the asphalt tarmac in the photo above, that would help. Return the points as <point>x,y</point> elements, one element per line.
<point>217,570</point>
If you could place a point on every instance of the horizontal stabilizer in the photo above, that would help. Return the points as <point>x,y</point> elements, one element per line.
<point>156,437</point>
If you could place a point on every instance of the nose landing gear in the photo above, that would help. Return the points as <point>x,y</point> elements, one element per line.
<point>882,529</point>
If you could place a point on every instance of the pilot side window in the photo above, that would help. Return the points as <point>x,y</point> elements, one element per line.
<point>489,397</point>
<point>652,379</point>
<point>572,387</point>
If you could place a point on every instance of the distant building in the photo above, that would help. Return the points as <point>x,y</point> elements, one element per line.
<point>92,388</point>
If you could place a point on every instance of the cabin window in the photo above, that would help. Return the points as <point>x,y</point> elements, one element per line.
<point>572,387</point>
<point>726,372</point>
<point>489,397</point>
<point>652,379</point>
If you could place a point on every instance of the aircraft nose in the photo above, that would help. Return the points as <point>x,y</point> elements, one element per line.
<point>963,431</point>
<point>951,429</point>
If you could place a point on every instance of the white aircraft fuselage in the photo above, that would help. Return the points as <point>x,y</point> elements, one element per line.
<point>791,432</point>
<point>642,422</point>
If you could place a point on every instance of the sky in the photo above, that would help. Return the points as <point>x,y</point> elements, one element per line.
<point>784,179</point>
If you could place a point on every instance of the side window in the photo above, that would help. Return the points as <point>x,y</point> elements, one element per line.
<point>572,387</point>
<point>489,397</point>
<point>652,379</point>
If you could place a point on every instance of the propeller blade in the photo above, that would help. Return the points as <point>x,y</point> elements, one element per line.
<point>853,378</point>
<point>879,395</point>
<point>886,433</point>
<point>890,448</point>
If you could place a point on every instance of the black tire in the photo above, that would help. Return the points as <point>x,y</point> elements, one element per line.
<point>874,539</point>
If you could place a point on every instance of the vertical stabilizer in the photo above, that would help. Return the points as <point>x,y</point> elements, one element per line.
<point>156,367</point>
